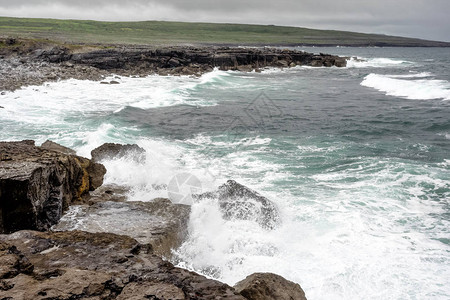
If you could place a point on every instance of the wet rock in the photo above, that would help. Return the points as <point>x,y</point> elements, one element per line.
<point>81,265</point>
<point>159,222</point>
<point>239,202</point>
<point>41,63</point>
<point>269,286</point>
<point>38,184</point>
<point>108,192</point>
<point>114,151</point>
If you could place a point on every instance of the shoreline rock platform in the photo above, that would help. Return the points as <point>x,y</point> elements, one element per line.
<point>23,63</point>
<point>39,183</point>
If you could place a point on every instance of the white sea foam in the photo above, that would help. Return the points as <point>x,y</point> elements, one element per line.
<point>366,230</point>
<point>41,104</point>
<point>323,232</point>
<point>404,86</point>
<point>381,62</point>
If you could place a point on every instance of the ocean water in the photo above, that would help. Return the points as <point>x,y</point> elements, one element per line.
<point>357,160</point>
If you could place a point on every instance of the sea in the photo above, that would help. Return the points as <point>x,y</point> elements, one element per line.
<point>356,159</point>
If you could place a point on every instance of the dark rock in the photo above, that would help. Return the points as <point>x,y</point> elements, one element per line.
<point>114,151</point>
<point>79,265</point>
<point>37,184</point>
<point>282,63</point>
<point>52,146</point>
<point>114,82</point>
<point>239,202</point>
<point>340,62</point>
<point>159,222</point>
<point>40,64</point>
<point>269,286</point>
<point>10,41</point>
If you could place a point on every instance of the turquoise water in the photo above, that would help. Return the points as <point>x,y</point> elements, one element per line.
<point>357,160</point>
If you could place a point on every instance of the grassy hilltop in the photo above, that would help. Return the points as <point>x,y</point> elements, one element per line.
<point>164,33</point>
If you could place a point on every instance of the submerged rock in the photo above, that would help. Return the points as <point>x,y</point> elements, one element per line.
<point>239,202</point>
<point>38,184</point>
<point>114,151</point>
<point>269,286</point>
<point>82,265</point>
<point>159,222</point>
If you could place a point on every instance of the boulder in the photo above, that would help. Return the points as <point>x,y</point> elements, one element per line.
<point>49,145</point>
<point>269,286</point>
<point>38,184</point>
<point>82,265</point>
<point>159,222</point>
<point>114,151</point>
<point>237,201</point>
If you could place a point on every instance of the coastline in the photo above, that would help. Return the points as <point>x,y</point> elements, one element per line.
<point>25,62</point>
<point>44,258</point>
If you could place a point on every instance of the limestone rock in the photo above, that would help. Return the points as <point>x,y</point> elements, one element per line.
<point>159,222</point>
<point>49,145</point>
<point>239,202</point>
<point>268,286</point>
<point>113,151</point>
<point>81,265</point>
<point>37,184</point>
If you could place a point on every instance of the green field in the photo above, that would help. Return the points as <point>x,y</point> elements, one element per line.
<point>164,33</point>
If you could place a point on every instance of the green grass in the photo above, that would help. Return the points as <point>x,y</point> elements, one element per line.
<point>163,33</point>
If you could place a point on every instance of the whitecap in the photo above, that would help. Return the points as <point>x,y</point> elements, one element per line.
<point>417,89</point>
<point>379,62</point>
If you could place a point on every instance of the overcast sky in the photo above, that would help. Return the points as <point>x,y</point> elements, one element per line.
<point>428,19</point>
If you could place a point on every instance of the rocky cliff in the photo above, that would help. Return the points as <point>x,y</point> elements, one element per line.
<point>38,183</point>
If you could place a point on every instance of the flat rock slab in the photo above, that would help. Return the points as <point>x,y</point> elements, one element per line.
<point>158,222</point>
<point>82,265</point>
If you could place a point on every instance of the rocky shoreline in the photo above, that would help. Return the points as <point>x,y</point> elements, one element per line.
<point>24,63</point>
<point>51,200</point>
<point>45,257</point>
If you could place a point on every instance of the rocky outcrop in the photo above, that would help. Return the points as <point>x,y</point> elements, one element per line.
<point>159,222</point>
<point>269,286</point>
<point>237,201</point>
<point>114,151</point>
<point>81,265</point>
<point>191,60</point>
<point>38,183</point>
<point>33,63</point>
<point>52,146</point>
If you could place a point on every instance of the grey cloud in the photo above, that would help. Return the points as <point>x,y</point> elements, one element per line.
<point>415,18</point>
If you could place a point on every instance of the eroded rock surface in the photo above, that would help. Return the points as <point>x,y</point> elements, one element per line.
<point>114,151</point>
<point>239,202</point>
<point>159,222</point>
<point>38,184</point>
<point>82,265</point>
<point>32,63</point>
<point>269,286</point>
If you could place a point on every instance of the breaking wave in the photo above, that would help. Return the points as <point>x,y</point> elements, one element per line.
<point>412,86</point>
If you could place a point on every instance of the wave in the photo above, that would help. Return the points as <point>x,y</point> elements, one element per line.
<point>380,62</point>
<point>406,87</point>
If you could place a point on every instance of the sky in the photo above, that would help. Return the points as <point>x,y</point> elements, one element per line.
<point>427,19</point>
